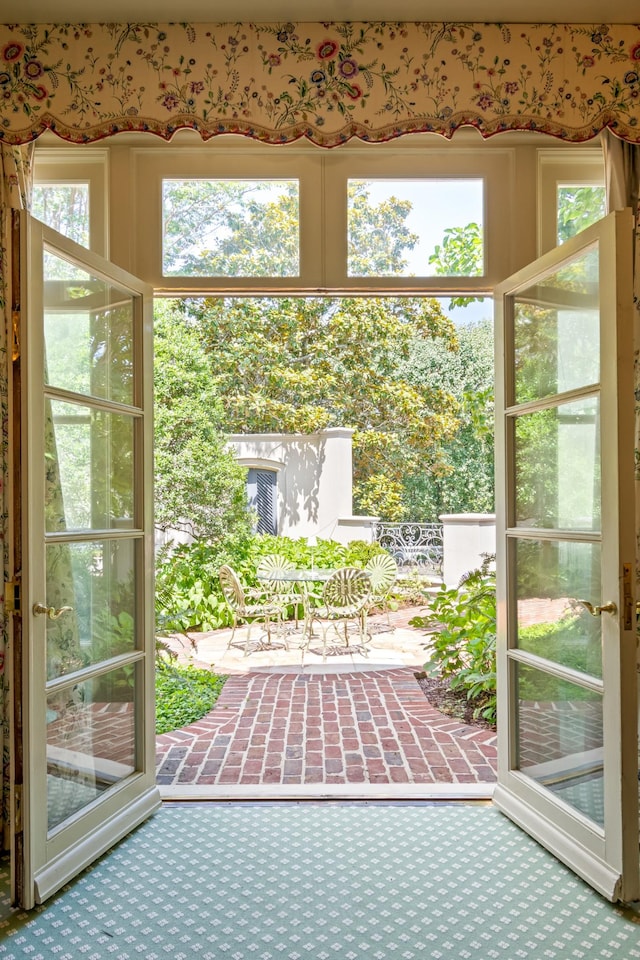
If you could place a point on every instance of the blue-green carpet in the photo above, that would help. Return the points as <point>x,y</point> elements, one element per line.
<point>324,881</point>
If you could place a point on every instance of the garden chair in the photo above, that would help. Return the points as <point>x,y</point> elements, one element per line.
<point>280,590</point>
<point>249,606</point>
<point>383,571</point>
<point>344,600</point>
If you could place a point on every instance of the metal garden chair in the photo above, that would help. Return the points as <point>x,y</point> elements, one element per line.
<point>383,572</point>
<point>344,600</point>
<point>280,590</point>
<point>249,606</point>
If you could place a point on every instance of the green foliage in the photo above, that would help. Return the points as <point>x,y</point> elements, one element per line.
<point>198,484</point>
<point>378,236</point>
<point>231,228</point>
<point>187,576</point>
<point>461,254</point>
<point>463,478</point>
<point>565,642</point>
<point>184,695</point>
<point>463,646</point>
<point>300,365</point>
<point>578,208</point>
<point>65,207</point>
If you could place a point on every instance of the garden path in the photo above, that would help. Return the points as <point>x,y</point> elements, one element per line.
<point>287,723</point>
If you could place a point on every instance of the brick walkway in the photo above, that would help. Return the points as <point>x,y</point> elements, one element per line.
<point>364,727</point>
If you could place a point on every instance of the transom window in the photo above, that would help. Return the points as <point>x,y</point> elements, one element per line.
<point>432,222</point>
<point>417,216</point>
<point>230,228</point>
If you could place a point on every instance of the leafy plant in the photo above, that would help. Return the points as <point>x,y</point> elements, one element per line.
<point>463,645</point>
<point>187,575</point>
<point>184,694</point>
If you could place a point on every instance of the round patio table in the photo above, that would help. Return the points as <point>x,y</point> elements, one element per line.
<point>301,579</point>
<point>313,575</point>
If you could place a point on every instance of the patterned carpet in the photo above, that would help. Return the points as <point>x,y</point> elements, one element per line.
<point>324,881</point>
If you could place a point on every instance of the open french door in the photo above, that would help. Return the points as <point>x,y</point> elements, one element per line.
<point>567,688</point>
<point>86,773</point>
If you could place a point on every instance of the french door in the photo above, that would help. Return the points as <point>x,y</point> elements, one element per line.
<point>87,560</point>
<point>567,693</point>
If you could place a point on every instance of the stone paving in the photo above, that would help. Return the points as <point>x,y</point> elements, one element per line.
<point>287,718</point>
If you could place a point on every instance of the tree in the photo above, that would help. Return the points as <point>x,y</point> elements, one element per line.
<point>464,478</point>
<point>231,228</point>
<point>300,365</point>
<point>461,254</point>
<point>378,236</point>
<point>199,487</point>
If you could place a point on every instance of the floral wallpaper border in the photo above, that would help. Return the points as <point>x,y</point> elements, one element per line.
<point>328,82</point>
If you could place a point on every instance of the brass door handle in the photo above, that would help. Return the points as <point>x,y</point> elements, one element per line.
<point>41,610</point>
<point>597,611</point>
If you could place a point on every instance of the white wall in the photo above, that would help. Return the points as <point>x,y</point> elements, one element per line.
<point>314,477</point>
<point>465,538</point>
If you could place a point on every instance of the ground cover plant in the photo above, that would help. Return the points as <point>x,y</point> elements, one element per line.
<point>184,694</point>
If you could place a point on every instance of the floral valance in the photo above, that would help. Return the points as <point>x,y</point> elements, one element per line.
<point>328,82</point>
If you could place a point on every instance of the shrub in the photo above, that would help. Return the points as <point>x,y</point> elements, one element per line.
<point>463,646</point>
<point>184,695</point>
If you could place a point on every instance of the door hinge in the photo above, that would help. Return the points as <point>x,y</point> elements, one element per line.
<point>12,596</point>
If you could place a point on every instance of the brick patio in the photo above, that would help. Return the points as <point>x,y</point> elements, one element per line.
<point>364,727</point>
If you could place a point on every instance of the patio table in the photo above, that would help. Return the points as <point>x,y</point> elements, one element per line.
<point>313,575</point>
<point>301,579</point>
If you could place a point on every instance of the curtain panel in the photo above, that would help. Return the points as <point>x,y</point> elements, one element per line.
<point>328,82</point>
<point>15,186</point>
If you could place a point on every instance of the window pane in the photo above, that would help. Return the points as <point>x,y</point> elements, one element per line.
<point>230,228</point>
<point>89,467</point>
<point>90,741</point>
<point>415,228</point>
<point>88,331</point>
<point>560,739</point>
<point>64,207</point>
<point>96,581</point>
<point>579,207</point>
<point>556,331</point>
<point>552,576</point>
<point>558,476</point>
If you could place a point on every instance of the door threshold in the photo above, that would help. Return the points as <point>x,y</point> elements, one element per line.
<point>329,791</point>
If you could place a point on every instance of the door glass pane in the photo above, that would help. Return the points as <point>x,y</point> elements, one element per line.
<point>552,576</point>
<point>437,228</point>
<point>556,331</point>
<point>557,467</point>
<point>97,581</point>
<point>89,461</point>
<point>230,228</point>
<point>90,741</point>
<point>88,332</point>
<point>560,739</point>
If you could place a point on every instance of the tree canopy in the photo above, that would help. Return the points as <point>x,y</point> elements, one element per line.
<point>294,364</point>
<point>199,487</point>
<point>300,365</point>
<point>463,478</point>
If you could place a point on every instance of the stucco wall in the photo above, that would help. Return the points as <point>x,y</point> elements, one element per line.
<point>314,476</point>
